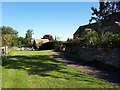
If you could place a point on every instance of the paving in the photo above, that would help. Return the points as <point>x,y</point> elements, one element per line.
<point>97,72</point>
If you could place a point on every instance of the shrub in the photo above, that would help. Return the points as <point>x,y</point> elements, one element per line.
<point>91,39</point>
<point>57,44</point>
<point>51,45</point>
<point>46,46</point>
<point>110,40</point>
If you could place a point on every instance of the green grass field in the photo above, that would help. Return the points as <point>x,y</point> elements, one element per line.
<point>32,69</point>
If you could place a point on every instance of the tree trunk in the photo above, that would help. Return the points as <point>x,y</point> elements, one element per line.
<point>5,49</point>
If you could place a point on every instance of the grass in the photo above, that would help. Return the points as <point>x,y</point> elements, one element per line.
<point>15,47</point>
<point>32,69</point>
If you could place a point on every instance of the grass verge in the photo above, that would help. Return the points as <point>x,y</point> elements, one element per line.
<point>31,69</point>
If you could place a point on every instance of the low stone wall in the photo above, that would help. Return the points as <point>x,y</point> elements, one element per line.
<point>105,55</point>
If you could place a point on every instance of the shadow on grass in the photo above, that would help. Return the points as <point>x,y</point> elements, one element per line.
<point>42,65</point>
<point>37,64</point>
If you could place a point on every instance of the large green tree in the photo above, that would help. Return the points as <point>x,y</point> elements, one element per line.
<point>21,41</point>
<point>102,15</point>
<point>105,11</point>
<point>6,41</point>
<point>28,37</point>
<point>10,32</point>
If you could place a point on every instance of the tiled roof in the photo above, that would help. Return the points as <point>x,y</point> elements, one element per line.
<point>118,23</point>
<point>94,26</point>
<point>41,40</point>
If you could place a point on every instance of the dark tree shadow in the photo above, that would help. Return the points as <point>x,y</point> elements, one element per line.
<point>35,64</point>
<point>40,65</point>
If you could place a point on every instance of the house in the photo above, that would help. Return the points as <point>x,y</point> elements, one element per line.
<point>38,42</point>
<point>112,26</point>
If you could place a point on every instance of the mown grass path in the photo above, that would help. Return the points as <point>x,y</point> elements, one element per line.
<point>33,69</point>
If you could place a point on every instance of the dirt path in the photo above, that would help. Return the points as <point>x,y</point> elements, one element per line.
<point>97,72</point>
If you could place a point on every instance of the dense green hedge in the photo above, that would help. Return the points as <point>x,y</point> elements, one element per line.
<point>51,45</point>
<point>91,39</point>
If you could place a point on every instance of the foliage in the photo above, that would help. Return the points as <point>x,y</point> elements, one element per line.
<point>21,41</point>
<point>110,40</point>
<point>0,38</point>
<point>88,39</point>
<point>13,34</point>
<point>48,36</point>
<point>57,44</point>
<point>28,37</point>
<point>106,10</point>
<point>51,45</point>
<point>6,39</point>
<point>56,38</point>
<point>91,39</point>
<point>39,44</point>
<point>13,39</point>
<point>46,46</point>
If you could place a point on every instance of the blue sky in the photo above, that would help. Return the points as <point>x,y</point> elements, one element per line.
<point>56,18</point>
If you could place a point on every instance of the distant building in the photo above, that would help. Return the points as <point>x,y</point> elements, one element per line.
<point>112,26</point>
<point>38,42</point>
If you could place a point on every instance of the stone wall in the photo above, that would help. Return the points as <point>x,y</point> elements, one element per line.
<point>105,55</point>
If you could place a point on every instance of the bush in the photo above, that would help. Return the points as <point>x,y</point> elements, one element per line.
<point>46,46</point>
<point>110,40</point>
<point>57,44</point>
<point>51,45</point>
<point>91,39</point>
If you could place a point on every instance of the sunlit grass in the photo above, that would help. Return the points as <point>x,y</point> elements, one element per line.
<point>32,69</point>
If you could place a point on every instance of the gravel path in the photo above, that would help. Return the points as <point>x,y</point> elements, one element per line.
<point>97,72</point>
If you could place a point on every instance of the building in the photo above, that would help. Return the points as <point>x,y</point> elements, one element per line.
<point>38,42</point>
<point>112,26</point>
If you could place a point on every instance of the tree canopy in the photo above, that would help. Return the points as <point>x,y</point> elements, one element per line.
<point>48,36</point>
<point>6,39</point>
<point>9,33</point>
<point>105,11</point>
<point>28,37</point>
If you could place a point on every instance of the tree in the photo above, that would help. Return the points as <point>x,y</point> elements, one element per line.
<point>48,36</point>
<point>56,38</point>
<point>21,41</point>
<point>12,32</point>
<point>106,10</point>
<point>0,41</point>
<point>28,37</point>
<point>6,40</point>
<point>88,39</point>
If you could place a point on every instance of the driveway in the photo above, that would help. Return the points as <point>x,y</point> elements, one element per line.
<point>97,72</point>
